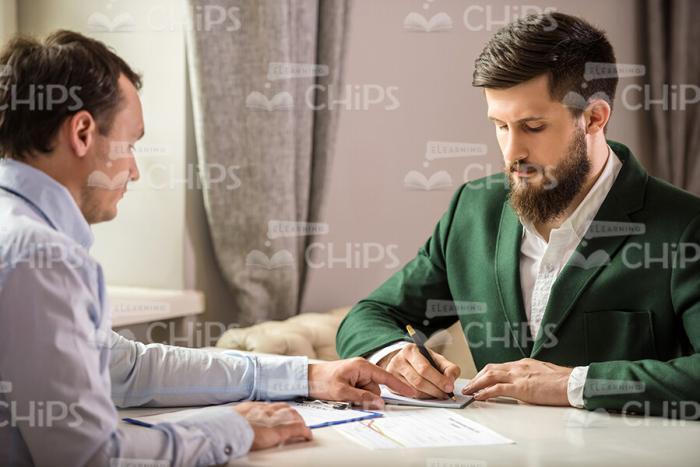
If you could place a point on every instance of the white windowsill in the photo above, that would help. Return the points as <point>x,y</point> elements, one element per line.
<point>133,305</point>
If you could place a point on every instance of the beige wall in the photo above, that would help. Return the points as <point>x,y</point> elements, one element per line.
<point>376,148</point>
<point>8,19</point>
<point>160,238</point>
<point>145,245</point>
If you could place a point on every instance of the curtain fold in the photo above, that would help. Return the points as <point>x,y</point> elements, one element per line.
<point>674,77</point>
<point>258,70</point>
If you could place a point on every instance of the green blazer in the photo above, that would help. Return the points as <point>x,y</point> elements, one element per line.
<point>627,304</point>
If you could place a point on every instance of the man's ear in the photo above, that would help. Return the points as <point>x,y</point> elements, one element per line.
<point>597,115</point>
<point>81,132</point>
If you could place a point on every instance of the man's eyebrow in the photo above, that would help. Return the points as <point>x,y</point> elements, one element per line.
<point>522,120</point>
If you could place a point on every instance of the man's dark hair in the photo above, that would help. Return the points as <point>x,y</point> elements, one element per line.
<point>42,84</point>
<point>577,57</point>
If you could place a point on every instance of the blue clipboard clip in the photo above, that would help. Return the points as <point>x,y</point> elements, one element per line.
<point>136,422</point>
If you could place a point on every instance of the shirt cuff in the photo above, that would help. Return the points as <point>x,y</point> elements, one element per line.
<point>281,378</point>
<point>575,385</point>
<point>228,434</point>
<point>381,353</point>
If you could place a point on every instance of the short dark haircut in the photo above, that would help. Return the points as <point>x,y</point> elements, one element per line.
<point>42,84</point>
<point>566,48</point>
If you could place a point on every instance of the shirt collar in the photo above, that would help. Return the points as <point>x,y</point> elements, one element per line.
<point>584,213</point>
<point>51,199</point>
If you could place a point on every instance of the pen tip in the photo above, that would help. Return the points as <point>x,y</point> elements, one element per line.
<point>453,398</point>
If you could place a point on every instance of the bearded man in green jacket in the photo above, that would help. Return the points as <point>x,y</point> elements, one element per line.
<point>574,274</point>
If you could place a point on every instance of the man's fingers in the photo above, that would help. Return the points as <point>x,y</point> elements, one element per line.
<point>430,373</point>
<point>500,389</point>
<point>373,388</point>
<point>418,394</point>
<point>448,368</point>
<point>278,405</point>
<point>487,378</point>
<point>272,417</point>
<point>362,397</point>
<point>381,376</point>
<point>294,432</point>
<point>421,383</point>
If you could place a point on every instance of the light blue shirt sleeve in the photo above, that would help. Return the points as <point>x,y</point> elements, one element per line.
<point>57,350</point>
<point>159,375</point>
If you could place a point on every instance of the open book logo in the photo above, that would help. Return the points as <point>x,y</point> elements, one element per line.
<point>259,101</point>
<point>415,180</point>
<point>281,259</point>
<point>597,258</point>
<point>99,179</point>
<point>417,22</point>
<point>575,100</point>
<point>100,22</point>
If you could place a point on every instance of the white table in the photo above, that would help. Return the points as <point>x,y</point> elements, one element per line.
<point>544,436</point>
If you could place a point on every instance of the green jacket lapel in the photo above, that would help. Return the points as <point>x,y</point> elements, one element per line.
<point>507,267</point>
<point>593,254</point>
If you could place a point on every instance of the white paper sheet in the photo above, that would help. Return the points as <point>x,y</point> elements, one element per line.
<point>462,400</point>
<point>420,429</point>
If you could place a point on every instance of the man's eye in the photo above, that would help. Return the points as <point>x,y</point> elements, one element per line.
<point>502,127</point>
<point>535,129</point>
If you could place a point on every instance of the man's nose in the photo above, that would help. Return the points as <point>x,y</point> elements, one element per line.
<point>135,174</point>
<point>513,150</point>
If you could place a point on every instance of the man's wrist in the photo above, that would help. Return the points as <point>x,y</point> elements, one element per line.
<point>384,362</point>
<point>379,357</point>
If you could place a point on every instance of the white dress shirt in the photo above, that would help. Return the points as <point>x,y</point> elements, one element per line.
<point>541,261</point>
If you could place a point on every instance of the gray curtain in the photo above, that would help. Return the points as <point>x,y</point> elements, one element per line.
<point>673,58</point>
<point>269,137</point>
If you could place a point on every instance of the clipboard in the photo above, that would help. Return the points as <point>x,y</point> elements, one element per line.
<point>316,414</point>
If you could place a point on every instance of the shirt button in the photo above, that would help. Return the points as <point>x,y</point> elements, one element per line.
<point>228,450</point>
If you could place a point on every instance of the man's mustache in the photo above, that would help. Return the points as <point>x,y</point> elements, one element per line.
<point>519,166</point>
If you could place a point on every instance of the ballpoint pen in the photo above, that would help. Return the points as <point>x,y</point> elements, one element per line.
<point>418,340</point>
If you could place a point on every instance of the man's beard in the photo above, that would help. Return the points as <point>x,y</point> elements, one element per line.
<point>547,200</point>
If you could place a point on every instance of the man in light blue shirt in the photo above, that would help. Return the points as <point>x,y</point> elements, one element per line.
<point>62,369</point>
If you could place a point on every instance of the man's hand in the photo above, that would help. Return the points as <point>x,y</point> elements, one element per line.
<point>355,380</point>
<point>528,380</point>
<point>273,424</point>
<point>409,365</point>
